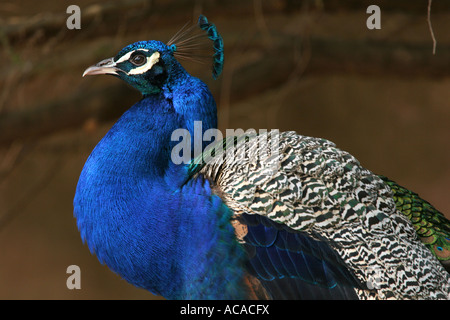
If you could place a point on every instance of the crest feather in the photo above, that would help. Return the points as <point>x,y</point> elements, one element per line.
<point>193,43</point>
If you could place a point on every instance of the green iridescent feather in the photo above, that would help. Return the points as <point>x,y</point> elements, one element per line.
<point>431,226</point>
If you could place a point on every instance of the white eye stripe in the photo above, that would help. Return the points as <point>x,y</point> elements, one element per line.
<point>128,55</point>
<point>151,61</point>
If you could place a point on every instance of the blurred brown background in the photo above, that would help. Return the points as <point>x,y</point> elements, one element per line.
<point>310,66</point>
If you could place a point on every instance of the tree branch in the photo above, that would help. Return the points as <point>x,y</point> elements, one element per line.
<point>430,27</point>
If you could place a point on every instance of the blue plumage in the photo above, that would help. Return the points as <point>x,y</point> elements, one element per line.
<point>277,253</point>
<point>140,223</point>
<point>194,231</point>
<point>129,204</point>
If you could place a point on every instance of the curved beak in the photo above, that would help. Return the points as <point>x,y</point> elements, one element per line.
<point>107,66</point>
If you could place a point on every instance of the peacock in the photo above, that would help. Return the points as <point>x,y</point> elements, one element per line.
<point>257,215</point>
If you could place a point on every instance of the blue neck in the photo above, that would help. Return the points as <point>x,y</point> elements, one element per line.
<point>134,216</point>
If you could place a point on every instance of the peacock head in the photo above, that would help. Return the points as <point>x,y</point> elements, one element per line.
<point>150,66</point>
<point>145,65</point>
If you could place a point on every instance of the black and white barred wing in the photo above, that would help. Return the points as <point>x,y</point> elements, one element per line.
<point>308,185</point>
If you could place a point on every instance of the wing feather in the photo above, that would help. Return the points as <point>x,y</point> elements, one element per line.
<point>313,214</point>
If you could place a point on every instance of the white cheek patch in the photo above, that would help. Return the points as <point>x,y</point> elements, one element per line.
<point>151,61</point>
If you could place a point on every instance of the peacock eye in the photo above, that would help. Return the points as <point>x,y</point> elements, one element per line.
<point>138,59</point>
